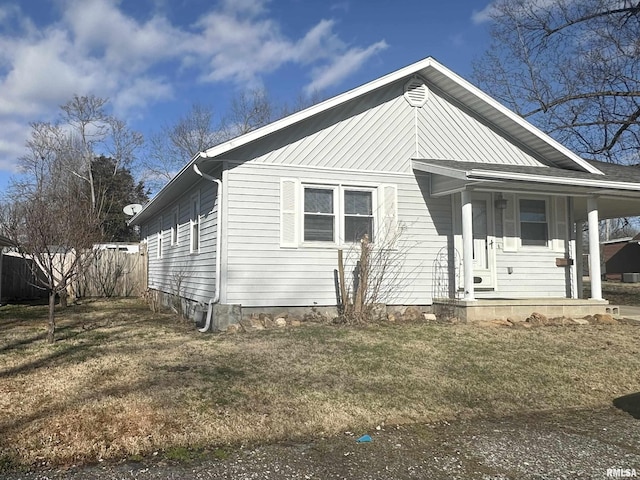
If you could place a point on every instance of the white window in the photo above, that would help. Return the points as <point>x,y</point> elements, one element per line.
<point>159,252</point>
<point>338,214</point>
<point>534,223</point>
<point>319,215</point>
<point>195,223</point>
<point>358,215</point>
<point>174,226</point>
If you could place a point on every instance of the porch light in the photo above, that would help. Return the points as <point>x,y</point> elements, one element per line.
<point>500,202</point>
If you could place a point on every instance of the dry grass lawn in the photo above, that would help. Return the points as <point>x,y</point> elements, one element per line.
<point>122,382</point>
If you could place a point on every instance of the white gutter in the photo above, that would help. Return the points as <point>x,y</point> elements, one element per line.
<point>216,295</point>
<point>526,177</point>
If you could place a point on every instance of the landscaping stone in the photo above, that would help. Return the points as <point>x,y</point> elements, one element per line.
<point>537,319</point>
<point>294,322</point>
<point>429,317</point>
<point>280,322</point>
<point>604,319</point>
<point>378,312</point>
<point>496,322</point>
<point>412,314</point>
<point>581,321</point>
<point>233,328</point>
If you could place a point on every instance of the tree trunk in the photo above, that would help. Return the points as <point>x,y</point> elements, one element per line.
<point>52,320</point>
<point>64,298</point>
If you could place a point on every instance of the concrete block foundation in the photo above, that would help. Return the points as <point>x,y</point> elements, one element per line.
<point>518,309</point>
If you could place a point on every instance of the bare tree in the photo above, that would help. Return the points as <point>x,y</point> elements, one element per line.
<point>50,216</point>
<point>172,147</point>
<point>572,68</point>
<point>175,144</point>
<point>57,205</point>
<point>373,273</point>
<point>89,132</point>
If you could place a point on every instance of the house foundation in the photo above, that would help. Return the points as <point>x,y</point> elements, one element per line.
<point>519,309</point>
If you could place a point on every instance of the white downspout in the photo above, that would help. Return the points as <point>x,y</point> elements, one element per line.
<point>216,295</point>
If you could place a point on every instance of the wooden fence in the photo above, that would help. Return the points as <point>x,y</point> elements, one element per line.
<point>113,273</point>
<point>17,279</point>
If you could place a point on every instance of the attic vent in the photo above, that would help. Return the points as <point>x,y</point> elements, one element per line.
<point>415,92</point>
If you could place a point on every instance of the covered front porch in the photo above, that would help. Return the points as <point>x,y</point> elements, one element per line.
<point>518,236</point>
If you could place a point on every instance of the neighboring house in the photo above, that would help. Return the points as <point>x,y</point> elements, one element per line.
<point>488,203</point>
<point>621,255</point>
<point>4,242</point>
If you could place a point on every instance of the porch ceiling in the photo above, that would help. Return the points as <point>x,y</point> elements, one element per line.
<point>618,190</point>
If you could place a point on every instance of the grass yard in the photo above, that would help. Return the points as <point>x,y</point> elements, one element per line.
<point>122,382</point>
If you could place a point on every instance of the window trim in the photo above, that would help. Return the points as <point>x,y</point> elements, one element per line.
<point>333,189</point>
<point>339,212</point>
<point>374,222</point>
<point>194,224</point>
<point>548,222</point>
<point>175,225</point>
<point>159,239</point>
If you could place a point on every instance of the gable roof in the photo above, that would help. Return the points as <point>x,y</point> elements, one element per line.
<point>437,76</point>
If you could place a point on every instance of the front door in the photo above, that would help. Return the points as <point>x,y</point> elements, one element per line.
<point>483,241</point>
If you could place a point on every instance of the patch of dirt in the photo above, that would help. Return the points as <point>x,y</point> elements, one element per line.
<point>569,444</point>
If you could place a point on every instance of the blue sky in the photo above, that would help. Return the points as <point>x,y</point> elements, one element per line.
<point>154,58</point>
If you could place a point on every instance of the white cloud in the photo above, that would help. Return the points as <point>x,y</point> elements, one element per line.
<point>93,47</point>
<point>486,14</point>
<point>11,144</point>
<point>483,15</point>
<point>342,67</point>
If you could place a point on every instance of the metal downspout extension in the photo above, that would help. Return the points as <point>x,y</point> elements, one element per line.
<point>216,296</point>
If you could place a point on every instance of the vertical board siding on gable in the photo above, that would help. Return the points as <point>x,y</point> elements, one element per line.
<point>197,272</point>
<point>449,133</point>
<point>260,273</point>
<point>375,132</point>
<point>378,132</point>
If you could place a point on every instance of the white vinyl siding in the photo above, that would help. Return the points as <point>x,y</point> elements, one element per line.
<point>382,132</point>
<point>194,273</point>
<point>523,271</point>
<point>262,273</point>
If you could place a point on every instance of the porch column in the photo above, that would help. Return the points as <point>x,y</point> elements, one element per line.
<point>579,258</point>
<point>594,248</point>
<point>467,245</point>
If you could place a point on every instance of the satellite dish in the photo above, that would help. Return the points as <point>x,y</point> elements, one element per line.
<point>132,209</point>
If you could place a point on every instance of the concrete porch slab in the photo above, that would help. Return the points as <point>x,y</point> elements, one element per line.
<point>519,309</point>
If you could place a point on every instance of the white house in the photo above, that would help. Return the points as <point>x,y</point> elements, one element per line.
<point>489,205</point>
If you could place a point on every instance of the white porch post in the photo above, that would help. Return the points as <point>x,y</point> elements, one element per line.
<point>467,245</point>
<point>579,258</point>
<point>594,249</point>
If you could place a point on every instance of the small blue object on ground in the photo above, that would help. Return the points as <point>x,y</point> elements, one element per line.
<point>364,439</point>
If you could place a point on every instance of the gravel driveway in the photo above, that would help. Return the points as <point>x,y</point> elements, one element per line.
<point>565,445</point>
